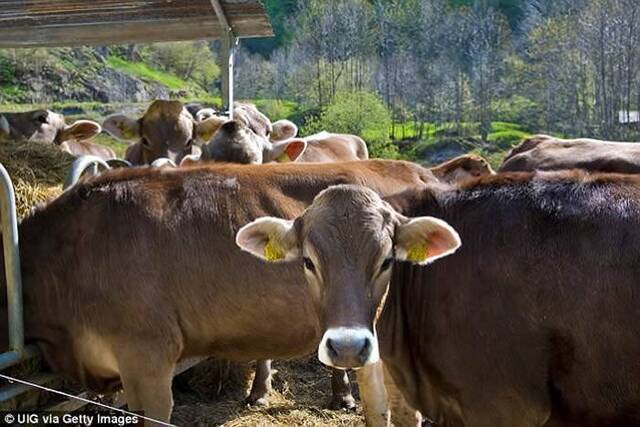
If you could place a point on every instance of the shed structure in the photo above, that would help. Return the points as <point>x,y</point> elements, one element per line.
<point>56,23</point>
<point>60,23</point>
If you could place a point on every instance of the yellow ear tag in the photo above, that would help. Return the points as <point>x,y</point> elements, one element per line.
<point>283,158</point>
<point>417,253</point>
<point>272,252</point>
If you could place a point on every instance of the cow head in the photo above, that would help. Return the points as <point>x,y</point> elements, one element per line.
<point>461,168</point>
<point>45,126</point>
<point>235,142</point>
<point>166,129</point>
<point>347,241</point>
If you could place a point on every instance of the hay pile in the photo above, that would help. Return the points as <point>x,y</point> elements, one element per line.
<point>37,171</point>
<point>302,389</point>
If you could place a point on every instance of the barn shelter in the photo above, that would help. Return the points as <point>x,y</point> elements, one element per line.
<point>58,23</point>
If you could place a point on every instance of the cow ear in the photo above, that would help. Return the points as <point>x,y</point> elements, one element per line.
<point>285,151</point>
<point>4,126</point>
<point>82,130</point>
<point>122,127</point>
<point>271,239</point>
<point>283,129</point>
<point>422,240</point>
<point>204,114</point>
<point>206,128</point>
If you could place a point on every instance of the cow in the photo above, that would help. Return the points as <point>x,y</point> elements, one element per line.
<point>543,152</point>
<point>528,323</point>
<point>236,143</point>
<point>333,147</point>
<point>182,289</point>
<point>166,129</point>
<point>44,126</point>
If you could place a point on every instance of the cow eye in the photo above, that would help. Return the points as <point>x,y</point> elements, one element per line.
<point>145,142</point>
<point>308,264</point>
<point>188,143</point>
<point>386,264</point>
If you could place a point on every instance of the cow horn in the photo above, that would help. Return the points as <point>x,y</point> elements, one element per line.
<point>163,161</point>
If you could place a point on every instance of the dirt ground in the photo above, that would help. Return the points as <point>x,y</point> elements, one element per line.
<point>302,390</point>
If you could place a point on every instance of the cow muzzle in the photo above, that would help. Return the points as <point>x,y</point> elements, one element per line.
<point>348,348</point>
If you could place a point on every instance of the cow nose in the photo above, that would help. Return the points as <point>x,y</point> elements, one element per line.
<point>348,348</point>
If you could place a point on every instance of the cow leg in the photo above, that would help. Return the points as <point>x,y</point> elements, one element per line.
<point>261,384</point>
<point>373,395</point>
<point>150,394</point>
<point>146,380</point>
<point>341,390</point>
<point>401,413</point>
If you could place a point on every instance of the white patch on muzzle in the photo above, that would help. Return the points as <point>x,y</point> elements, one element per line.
<point>351,341</point>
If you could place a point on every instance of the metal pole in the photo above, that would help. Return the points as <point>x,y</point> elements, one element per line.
<point>227,53</point>
<point>228,77</point>
<point>11,261</point>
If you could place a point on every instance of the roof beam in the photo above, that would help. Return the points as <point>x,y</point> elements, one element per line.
<point>222,17</point>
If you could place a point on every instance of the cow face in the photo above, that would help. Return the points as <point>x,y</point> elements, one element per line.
<point>46,127</point>
<point>347,241</point>
<point>235,142</point>
<point>166,129</point>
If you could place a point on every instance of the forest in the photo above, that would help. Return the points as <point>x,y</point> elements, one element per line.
<point>417,78</point>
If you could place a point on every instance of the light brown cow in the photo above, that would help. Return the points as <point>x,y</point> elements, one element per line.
<point>543,152</point>
<point>103,316</point>
<point>462,167</point>
<point>45,126</point>
<point>166,129</point>
<point>334,147</point>
<point>514,329</point>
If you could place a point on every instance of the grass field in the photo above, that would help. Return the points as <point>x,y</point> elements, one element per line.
<point>145,72</point>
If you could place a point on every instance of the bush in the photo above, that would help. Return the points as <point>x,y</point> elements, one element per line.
<point>276,109</point>
<point>188,60</point>
<point>506,139</point>
<point>518,109</point>
<point>359,113</point>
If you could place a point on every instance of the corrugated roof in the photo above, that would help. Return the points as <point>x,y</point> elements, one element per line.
<point>35,23</point>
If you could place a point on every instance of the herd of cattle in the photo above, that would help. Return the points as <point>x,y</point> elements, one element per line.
<point>526,315</point>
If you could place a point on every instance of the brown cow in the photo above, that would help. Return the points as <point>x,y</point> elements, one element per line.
<point>45,126</point>
<point>542,152</point>
<point>182,288</point>
<point>528,324</point>
<point>166,129</point>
